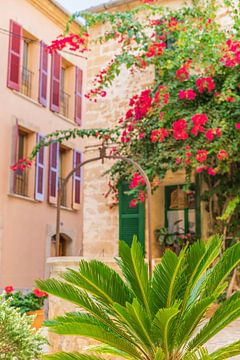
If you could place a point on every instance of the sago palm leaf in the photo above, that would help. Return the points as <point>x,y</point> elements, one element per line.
<point>79,318</point>
<point>226,264</point>
<point>161,327</point>
<point>109,350</point>
<point>200,354</point>
<point>225,314</point>
<point>226,352</point>
<point>95,277</point>
<point>135,270</point>
<point>190,320</point>
<point>168,281</point>
<point>159,354</point>
<point>135,317</point>
<point>98,333</point>
<point>71,356</point>
<point>199,257</point>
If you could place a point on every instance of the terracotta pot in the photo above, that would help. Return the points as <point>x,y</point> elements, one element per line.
<point>211,311</point>
<point>39,318</point>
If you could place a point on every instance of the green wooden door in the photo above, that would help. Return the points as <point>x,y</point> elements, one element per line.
<point>131,220</point>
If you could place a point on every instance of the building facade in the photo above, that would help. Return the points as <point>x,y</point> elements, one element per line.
<point>39,93</point>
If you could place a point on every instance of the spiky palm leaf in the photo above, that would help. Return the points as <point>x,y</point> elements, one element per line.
<point>149,319</point>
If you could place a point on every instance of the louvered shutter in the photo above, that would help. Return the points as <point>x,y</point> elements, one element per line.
<point>131,220</point>
<point>55,82</point>
<point>77,179</point>
<point>14,155</point>
<point>53,172</point>
<point>39,178</point>
<point>14,56</point>
<point>43,74</point>
<point>78,95</point>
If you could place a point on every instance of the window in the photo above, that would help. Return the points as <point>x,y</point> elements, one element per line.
<point>65,244</point>
<point>27,75</point>
<point>182,210</point>
<point>21,177</point>
<point>64,96</point>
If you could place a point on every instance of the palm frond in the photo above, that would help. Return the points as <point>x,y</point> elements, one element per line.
<point>98,333</point>
<point>109,350</point>
<point>226,264</point>
<point>226,313</point>
<point>161,326</point>
<point>71,356</point>
<point>95,277</point>
<point>135,270</point>
<point>159,354</point>
<point>168,281</point>
<point>200,354</point>
<point>226,352</point>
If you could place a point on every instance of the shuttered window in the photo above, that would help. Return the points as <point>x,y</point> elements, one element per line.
<point>77,177</point>
<point>131,220</point>
<point>39,178</point>
<point>14,56</point>
<point>55,82</point>
<point>43,75</point>
<point>78,95</point>
<point>53,172</point>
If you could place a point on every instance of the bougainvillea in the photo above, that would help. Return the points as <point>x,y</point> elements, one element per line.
<point>189,118</point>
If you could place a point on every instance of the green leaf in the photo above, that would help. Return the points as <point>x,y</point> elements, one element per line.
<point>226,352</point>
<point>106,349</point>
<point>96,277</point>
<point>135,270</point>
<point>71,356</point>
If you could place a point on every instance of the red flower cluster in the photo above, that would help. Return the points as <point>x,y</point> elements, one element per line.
<point>137,180</point>
<point>74,42</point>
<point>199,120</point>
<point>210,170</point>
<point>231,57</point>
<point>21,165</point>
<point>8,289</point>
<point>155,49</point>
<point>201,155</point>
<point>172,24</point>
<point>161,97</point>
<point>179,129</point>
<point>237,126</point>
<point>38,293</point>
<point>187,94</point>
<point>222,155</point>
<point>182,73</point>
<point>205,83</point>
<point>133,203</point>
<point>211,133</point>
<point>159,135</point>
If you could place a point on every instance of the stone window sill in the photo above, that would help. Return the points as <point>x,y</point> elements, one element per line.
<point>68,120</point>
<point>26,198</point>
<point>66,208</point>
<point>18,93</point>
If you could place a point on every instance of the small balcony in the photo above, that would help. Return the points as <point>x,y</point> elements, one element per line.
<point>63,200</point>
<point>64,104</point>
<point>27,80</point>
<point>21,183</point>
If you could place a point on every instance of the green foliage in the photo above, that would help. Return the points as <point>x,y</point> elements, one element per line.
<point>18,340</point>
<point>25,302</point>
<point>149,318</point>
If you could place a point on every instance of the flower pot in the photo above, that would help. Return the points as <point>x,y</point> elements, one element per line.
<point>39,318</point>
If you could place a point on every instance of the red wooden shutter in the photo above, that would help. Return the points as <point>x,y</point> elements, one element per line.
<point>43,74</point>
<point>39,178</point>
<point>53,172</point>
<point>78,95</point>
<point>14,56</point>
<point>77,179</point>
<point>55,82</point>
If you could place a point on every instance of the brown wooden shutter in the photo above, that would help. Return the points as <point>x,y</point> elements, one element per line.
<point>53,172</point>
<point>43,74</point>
<point>14,56</point>
<point>77,179</point>
<point>78,95</point>
<point>55,82</point>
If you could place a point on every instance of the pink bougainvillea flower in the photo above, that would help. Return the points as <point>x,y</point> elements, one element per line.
<point>136,180</point>
<point>205,83</point>
<point>159,135</point>
<point>209,134</point>
<point>179,129</point>
<point>141,135</point>
<point>211,171</point>
<point>230,99</point>
<point>38,293</point>
<point>182,73</point>
<point>182,94</point>
<point>237,126</point>
<point>198,121</point>
<point>218,132</point>
<point>201,155</point>
<point>191,94</point>
<point>9,289</point>
<point>222,155</point>
<point>199,169</point>
<point>133,203</point>
<point>141,196</point>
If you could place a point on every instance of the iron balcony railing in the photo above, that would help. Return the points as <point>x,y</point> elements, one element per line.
<point>63,200</point>
<point>27,80</point>
<point>21,183</point>
<point>64,103</point>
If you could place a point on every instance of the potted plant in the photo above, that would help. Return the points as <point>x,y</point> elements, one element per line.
<point>30,303</point>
